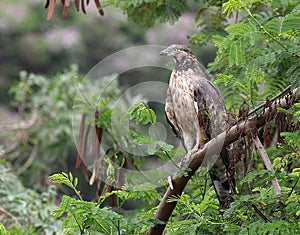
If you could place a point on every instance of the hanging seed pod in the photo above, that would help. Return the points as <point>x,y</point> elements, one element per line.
<point>51,4</point>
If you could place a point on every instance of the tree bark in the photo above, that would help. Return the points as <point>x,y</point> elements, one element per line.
<point>165,208</point>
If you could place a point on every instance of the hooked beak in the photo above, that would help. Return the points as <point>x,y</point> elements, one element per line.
<point>164,52</point>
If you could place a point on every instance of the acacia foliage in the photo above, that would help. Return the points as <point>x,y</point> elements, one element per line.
<point>257,47</point>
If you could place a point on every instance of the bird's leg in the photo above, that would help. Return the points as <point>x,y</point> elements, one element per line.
<point>188,142</point>
<point>184,163</point>
<point>198,143</point>
<point>195,149</point>
<point>185,160</point>
<point>189,155</point>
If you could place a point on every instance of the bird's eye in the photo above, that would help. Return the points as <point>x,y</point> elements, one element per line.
<point>175,49</point>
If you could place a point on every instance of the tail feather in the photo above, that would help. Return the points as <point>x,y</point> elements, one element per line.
<point>222,181</point>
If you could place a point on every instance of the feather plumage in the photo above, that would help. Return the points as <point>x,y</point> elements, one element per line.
<point>196,111</point>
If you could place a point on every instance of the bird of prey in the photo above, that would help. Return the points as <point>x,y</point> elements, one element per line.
<point>196,112</point>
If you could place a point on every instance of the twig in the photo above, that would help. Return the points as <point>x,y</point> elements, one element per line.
<point>294,186</point>
<point>19,138</point>
<point>267,163</point>
<point>80,141</point>
<point>265,103</point>
<point>2,209</point>
<point>21,125</point>
<point>261,215</point>
<point>29,161</point>
<point>165,208</point>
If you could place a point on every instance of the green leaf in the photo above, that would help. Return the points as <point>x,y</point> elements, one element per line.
<point>294,74</point>
<point>144,139</point>
<point>66,179</point>
<point>61,179</point>
<point>223,78</point>
<point>3,231</point>
<point>142,113</point>
<point>164,146</point>
<point>260,176</point>
<point>63,207</point>
<point>238,30</point>
<point>237,54</point>
<point>242,87</point>
<point>285,111</point>
<point>233,5</point>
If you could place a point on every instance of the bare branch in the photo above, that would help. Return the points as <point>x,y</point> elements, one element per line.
<point>4,211</point>
<point>29,160</point>
<point>267,162</point>
<point>18,128</point>
<point>166,208</point>
<point>21,125</point>
<point>19,138</point>
<point>261,215</point>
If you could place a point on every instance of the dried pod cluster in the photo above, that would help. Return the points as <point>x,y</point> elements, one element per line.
<point>50,4</point>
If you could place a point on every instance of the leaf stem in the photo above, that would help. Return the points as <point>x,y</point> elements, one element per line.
<point>268,33</point>
<point>294,186</point>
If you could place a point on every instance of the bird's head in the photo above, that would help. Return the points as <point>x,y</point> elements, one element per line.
<point>178,52</point>
<point>183,56</point>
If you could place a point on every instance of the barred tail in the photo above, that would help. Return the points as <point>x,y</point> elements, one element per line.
<point>222,181</point>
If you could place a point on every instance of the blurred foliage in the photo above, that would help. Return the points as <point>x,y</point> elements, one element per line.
<point>24,211</point>
<point>43,137</point>
<point>148,12</point>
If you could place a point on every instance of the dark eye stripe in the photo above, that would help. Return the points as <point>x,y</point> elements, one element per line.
<point>187,50</point>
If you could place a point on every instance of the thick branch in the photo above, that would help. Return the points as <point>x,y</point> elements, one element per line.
<point>165,208</point>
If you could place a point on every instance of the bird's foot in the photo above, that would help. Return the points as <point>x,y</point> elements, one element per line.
<point>188,157</point>
<point>194,150</point>
<point>185,161</point>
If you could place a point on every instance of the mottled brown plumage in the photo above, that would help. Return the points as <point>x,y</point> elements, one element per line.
<point>196,111</point>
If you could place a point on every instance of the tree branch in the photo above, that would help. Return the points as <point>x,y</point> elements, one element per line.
<point>165,208</point>
<point>29,160</point>
<point>267,163</point>
<point>21,125</point>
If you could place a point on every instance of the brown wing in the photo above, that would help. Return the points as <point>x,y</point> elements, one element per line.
<point>207,96</point>
<point>212,116</point>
